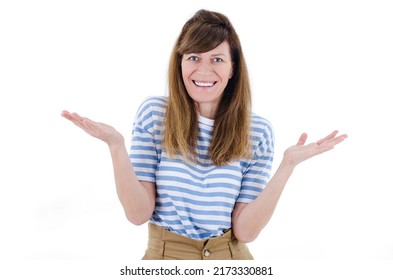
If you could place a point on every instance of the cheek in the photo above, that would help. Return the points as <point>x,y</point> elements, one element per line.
<point>185,72</point>
<point>226,75</point>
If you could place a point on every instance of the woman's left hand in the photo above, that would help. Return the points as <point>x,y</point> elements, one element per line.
<point>300,152</point>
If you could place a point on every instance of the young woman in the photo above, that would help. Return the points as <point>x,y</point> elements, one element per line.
<point>200,160</point>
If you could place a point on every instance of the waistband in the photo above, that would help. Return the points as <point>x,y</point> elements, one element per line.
<point>166,235</point>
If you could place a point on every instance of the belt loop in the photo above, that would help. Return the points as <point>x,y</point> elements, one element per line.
<point>163,249</point>
<point>232,249</point>
<point>162,232</point>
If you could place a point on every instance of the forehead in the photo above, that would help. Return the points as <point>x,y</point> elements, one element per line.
<point>222,49</point>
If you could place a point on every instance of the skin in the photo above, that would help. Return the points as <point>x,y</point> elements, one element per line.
<point>249,219</point>
<point>205,77</point>
<point>138,197</point>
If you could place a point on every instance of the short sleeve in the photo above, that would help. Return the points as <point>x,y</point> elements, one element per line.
<point>143,151</point>
<point>257,171</point>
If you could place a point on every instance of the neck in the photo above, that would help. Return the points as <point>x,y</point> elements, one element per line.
<point>207,110</point>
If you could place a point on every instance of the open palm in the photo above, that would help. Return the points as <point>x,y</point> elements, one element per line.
<point>301,152</point>
<point>98,130</point>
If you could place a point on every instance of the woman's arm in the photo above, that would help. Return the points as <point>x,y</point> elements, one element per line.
<point>137,197</point>
<point>249,219</point>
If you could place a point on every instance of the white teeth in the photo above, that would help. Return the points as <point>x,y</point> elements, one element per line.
<point>204,84</point>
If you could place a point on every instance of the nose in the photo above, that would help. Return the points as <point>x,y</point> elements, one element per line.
<point>205,68</point>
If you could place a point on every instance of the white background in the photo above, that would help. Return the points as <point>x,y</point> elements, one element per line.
<point>315,66</point>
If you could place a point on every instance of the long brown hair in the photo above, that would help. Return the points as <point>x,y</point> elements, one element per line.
<point>230,141</point>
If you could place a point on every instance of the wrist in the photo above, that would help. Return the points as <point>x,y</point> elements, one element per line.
<point>116,145</point>
<point>287,165</point>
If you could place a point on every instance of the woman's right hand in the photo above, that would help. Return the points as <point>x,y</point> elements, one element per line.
<point>98,130</point>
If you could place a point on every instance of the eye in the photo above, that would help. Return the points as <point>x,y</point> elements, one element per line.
<point>193,58</point>
<point>218,59</point>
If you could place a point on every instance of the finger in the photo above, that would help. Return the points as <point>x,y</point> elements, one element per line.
<point>330,136</point>
<point>88,121</point>
<point>71,116</point>
<point>74,118</point>
<point>66,114</point>
<point>302,139</point>
<point>331,143</point>
<point>85,121</point>
<point>338,139</point>
<point>77,117</point>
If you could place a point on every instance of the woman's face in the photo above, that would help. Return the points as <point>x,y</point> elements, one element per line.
<point>205,76</point>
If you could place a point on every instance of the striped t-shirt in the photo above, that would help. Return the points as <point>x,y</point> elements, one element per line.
<point>197,199</point>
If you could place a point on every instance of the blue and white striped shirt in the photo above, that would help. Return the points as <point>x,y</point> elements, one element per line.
<point>197,199</point>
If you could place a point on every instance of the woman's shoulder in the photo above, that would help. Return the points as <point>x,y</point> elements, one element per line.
<point>153,104</point>
<point>262,134</point>
<point>259,123</point>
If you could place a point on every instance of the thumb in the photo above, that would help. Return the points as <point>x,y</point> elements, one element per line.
<point>302,139</point>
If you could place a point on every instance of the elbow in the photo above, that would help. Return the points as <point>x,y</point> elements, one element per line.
<point>136,221</point>
<point>245,236</point>
<point>138,218</point>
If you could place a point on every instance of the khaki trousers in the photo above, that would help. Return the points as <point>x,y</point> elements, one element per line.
<point>166,245</point>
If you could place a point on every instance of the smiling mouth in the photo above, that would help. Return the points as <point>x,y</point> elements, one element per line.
<point>203,84</point>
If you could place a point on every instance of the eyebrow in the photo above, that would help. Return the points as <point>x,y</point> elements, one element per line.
<point>214,54</point>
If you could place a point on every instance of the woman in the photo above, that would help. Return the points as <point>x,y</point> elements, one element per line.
<point>199,158</point>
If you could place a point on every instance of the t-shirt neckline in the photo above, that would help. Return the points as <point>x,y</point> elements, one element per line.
<point>205,120</point>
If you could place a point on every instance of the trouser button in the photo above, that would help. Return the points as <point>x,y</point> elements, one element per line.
<point>206,253</point>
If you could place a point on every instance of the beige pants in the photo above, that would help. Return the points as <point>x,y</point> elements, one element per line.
<point>166,245</point>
